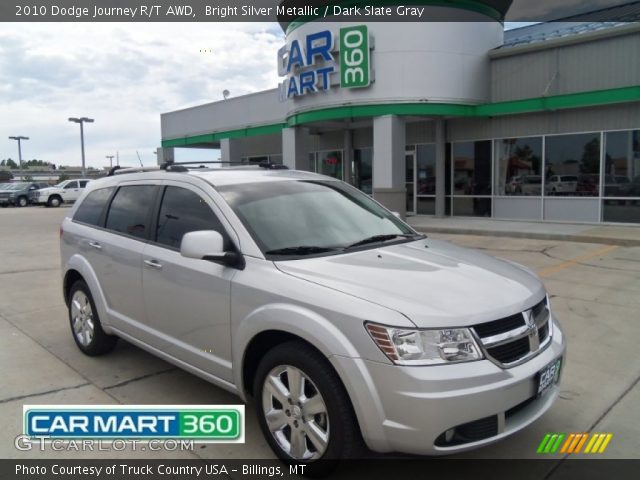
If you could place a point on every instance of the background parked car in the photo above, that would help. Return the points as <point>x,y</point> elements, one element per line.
<point>588,185</point>
<point>64,192</point>
<point>524,185</point>
<point>561,185</point>
<point>18,194</point>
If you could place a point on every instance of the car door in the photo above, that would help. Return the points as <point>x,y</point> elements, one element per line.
<point>118,264</point>
<point>70,191</point>
<point>188,300</point>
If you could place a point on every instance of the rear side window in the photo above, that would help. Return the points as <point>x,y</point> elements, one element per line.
<point>183,211</point>
<point>129,211</point>
<point>83,183</point>
<point>90,210</point>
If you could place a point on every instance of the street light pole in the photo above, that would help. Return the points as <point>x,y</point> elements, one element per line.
<point>19,138</point>
<point>81,121</point>
<point>110,157</point>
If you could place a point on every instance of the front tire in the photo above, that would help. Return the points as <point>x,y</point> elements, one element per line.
<point>85,323</point>
<point>22,202</point>
<point>303,409</point>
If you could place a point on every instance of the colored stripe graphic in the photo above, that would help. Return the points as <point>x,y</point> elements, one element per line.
<point>574,443</point>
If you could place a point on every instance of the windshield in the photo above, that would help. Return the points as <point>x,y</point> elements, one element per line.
<point>311,216</point>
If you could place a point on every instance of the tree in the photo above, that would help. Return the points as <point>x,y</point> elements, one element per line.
<point>62,177</point>
<point>11,164</point>
<point>591,157</point>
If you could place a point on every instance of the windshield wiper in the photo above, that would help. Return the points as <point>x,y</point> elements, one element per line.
<point>381,238</point>
<point>301,250</point>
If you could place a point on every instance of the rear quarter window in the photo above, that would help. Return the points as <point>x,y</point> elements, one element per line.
<point>91,209</point>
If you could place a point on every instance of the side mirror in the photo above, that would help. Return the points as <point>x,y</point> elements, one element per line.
<point>397,215</point>
<point>207,245</point>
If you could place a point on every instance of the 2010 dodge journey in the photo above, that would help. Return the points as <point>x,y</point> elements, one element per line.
<point>300,292</point>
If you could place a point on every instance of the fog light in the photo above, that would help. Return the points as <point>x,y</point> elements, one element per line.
<point>449,434</point>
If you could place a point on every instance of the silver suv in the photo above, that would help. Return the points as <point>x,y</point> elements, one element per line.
<point>302,293</point>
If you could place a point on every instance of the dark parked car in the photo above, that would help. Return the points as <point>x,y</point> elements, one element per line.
<point>19,194</point>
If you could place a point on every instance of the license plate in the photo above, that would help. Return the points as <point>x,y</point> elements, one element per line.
<point>548,376</point>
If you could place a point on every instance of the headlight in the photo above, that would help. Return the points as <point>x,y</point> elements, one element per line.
<point>425,347</point>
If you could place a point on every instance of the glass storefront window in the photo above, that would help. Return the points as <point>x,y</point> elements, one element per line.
<point>472,207</point>
<point>621,210</point>
<point>572,165</point>
<point>363,170</point>
<point>622,164</point>
<point>472,168</point>
<point>426,169</point>
<point>327,163</point>
<point>519,166</point>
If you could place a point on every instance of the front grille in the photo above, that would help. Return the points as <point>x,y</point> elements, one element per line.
<point>510,352</point>
<point>521,406</point>
<point>510,340</point>
<point>500,326</point>
<point>543,332</point>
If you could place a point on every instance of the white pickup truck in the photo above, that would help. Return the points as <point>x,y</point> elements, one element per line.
<point>64,192</point>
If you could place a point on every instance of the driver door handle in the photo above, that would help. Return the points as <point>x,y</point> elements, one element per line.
<point>95,245</point>
<point>153,264</point>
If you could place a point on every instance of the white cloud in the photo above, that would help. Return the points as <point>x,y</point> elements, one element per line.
<point>124,76</point>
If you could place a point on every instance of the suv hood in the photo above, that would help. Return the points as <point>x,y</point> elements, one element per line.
<point>433,283</point>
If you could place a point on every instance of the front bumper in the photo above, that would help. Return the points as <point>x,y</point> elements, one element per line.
<point>408,409</point>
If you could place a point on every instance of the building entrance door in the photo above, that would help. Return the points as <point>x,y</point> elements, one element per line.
<point>411,182</point>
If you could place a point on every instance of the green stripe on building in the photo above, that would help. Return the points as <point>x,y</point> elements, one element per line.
<point>514,107</point>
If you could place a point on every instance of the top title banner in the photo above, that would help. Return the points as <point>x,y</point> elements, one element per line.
<point>287,12</point>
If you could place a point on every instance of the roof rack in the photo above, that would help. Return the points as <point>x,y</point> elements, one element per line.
<point>117,170</point>
<point>182,166</point>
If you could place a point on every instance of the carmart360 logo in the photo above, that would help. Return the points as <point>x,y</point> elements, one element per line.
<point>209,423</point>
<point>574,443</point>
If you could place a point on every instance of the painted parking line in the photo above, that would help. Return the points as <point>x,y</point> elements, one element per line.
<point>545,272</point>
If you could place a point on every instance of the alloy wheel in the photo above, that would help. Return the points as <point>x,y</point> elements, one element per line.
<point>82,318</point>
<point>295,413</point>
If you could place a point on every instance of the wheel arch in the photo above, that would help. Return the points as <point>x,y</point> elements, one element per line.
<point>78,268</point>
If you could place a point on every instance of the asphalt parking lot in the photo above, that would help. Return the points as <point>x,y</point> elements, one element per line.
<point>595,290</point>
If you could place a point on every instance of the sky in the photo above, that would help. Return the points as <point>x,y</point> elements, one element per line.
<point>123,75</point>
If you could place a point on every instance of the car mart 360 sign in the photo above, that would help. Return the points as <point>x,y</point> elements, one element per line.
<point>310,63</point>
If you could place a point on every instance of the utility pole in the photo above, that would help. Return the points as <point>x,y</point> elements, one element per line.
<point>110,157</point>
<point>81,121</point>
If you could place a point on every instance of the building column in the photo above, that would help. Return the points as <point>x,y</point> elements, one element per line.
<point>295,148</point>
<point>389,144</point>
<point>441,166</point>
<point>165,154</point>
<point>229,150</point>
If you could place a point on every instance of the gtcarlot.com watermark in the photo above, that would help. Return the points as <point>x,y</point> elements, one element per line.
<point>25,443</point>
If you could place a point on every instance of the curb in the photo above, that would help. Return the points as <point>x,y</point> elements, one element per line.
<point>564,237</point>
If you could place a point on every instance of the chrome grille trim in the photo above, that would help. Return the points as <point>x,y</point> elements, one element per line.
<point>535,319</point>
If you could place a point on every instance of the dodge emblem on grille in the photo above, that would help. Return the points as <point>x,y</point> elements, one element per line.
<point>532,331</point>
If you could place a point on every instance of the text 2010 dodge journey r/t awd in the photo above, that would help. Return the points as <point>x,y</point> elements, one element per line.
<point>301,292</point>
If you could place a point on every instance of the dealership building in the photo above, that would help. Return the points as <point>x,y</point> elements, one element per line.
<point>449,118</point>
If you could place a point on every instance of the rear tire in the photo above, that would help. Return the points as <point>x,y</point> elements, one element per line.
<point>85,323</point>
<point>54,201</point>
<point>316,426</point>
